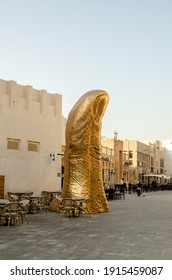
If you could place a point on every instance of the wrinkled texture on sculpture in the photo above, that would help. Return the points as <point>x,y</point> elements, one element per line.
<point>83,171</point>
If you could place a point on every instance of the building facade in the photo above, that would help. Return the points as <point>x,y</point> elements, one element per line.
<point>134,161</point>
<point>112,149</point>
<point>32,134</point>
<point>167,144</point>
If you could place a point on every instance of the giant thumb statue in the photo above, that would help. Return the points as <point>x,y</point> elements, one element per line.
<point>82,158</point>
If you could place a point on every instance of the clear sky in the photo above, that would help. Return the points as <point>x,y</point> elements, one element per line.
<point>72,46</point>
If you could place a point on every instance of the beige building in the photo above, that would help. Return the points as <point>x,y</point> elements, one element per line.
<point>32,134</point>
<point>145,161</point>
<point>134,161</point>
<point>108,169</point>
<point>112,148</point>
<point>137,161</point>
<point>167,144</point>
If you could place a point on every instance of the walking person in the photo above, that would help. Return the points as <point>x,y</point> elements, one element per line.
<point>139,188</point>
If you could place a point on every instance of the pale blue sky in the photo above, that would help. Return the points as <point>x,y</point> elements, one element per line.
<point>73,46</point>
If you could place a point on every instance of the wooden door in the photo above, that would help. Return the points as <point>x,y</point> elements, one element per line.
<point>2,180</point>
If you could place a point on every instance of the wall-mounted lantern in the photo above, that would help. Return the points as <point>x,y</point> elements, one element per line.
<point>53,156</point>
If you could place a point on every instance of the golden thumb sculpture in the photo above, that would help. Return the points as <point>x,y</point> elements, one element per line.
<point>82,158</point>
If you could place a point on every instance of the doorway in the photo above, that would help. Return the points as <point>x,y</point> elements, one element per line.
<point>2,180</point>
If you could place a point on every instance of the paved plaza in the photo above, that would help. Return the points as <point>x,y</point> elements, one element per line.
<point>137,228</point>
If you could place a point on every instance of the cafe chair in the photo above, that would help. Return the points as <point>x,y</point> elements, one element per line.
<point>24,209</point>
<point>39,205</point>
<point>28,194</point>
<point>12,197</point>
<point>42,204</point>
<point>69,207</point>
<point>48,197</point>
<point>83,207</point>
<point>59,204</point>
<point>11,212</point>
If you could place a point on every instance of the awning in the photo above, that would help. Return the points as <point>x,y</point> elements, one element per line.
<point>156,175</point>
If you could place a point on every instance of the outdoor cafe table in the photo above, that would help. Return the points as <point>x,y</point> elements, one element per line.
<point>78,200</point>
<point>52,192</point>
<point>33,202</point>
<point>20,194</point>
<point>3,202</point>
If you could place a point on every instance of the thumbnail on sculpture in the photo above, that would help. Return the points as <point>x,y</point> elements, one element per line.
<point>83,174</point>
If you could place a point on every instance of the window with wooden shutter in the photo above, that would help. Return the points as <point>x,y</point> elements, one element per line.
<point>13,144</point>
<point>33,146</point>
